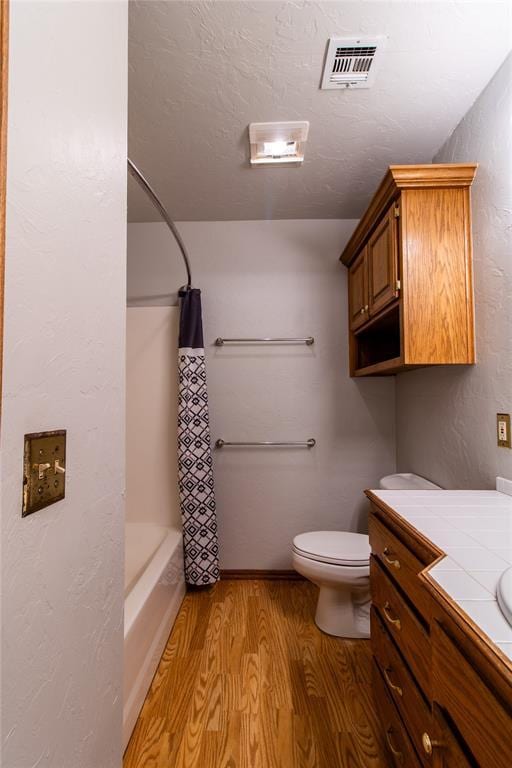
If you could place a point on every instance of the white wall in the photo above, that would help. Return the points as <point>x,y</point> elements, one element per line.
<point>279,278</point>
<point>446,417</point>
<point>62,567</point>
<point>152,416</point>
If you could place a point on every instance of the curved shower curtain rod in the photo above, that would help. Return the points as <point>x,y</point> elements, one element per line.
<point>146,186</point>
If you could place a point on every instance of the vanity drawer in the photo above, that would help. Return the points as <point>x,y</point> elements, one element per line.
<point>399,744</point>
<point>483,720</point>
<point>402,624</point>
<point>401,563</point>
<point>421,548</point>
<point>401,686</point>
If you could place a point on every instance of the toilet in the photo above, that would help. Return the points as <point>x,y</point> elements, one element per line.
<point>338,562</point>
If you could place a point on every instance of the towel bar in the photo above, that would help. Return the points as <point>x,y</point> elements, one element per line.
<point>301,444</point>
<point>309,340</point>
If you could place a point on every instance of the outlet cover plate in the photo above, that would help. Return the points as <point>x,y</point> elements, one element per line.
<point>503,430</point>
<point>44,465</point>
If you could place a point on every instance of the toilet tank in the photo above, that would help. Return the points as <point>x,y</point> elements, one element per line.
<point>407,481</point>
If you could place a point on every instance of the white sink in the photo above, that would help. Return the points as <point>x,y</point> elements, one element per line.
<point>504,595</point>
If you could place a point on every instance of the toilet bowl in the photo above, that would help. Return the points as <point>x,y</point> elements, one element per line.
<point>339,564</point>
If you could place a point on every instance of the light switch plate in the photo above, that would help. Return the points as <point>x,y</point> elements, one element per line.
<point>44,470</point>
<point>503,430</point>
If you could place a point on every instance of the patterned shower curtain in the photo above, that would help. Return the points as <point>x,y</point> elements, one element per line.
<point>195,464</point>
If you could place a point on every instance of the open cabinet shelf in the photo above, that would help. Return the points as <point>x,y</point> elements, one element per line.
<point>385,368</point>
<point>376,346</point>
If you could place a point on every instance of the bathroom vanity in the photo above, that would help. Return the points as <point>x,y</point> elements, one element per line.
<point>442,650</point>
<point>410,290</point>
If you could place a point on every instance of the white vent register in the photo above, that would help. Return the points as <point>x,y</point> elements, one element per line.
<point>352,62</point>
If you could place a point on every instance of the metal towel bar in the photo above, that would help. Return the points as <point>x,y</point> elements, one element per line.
<point>304,444</point>
<point>306,340</point>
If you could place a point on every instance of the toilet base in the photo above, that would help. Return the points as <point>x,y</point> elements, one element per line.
<point>343,612</point>
<point>343,607</point>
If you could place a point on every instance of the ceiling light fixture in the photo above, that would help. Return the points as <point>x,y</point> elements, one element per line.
<point>278,143</point>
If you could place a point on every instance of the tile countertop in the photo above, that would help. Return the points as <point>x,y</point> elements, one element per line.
<point>474,529</point>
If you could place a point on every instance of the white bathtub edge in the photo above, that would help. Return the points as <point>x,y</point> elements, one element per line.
<point>150,611</point>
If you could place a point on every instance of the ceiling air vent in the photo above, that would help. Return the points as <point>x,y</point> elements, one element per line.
<point>351,62</point>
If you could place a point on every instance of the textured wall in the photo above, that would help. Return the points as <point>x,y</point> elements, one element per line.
<point>152,416</point>
<point>62,568</point>
<point>446,417</point>
<point>278,278</point>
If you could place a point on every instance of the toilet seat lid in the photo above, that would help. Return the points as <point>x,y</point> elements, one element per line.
<point>336,547</point>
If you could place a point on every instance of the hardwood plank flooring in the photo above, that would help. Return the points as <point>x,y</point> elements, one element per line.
<point>247,680</point>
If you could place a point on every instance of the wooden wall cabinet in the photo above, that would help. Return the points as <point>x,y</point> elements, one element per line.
<point>443,694</point>
<point>410,272</point>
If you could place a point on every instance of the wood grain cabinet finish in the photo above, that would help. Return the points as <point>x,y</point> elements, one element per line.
<point>482,720</point>
<point>447,751</point>
<point>397,739</point>
<point>442,688</point>
<point>402,624</point>
<point>358,291</point>
<point>382,256</point>
<point>403,688</point>
<point>413,245</point>
<point>401,564</point>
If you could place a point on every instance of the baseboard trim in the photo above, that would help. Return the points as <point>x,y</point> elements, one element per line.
<point>247,573</point>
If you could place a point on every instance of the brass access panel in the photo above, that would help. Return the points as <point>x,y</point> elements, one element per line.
<point>44,470</point>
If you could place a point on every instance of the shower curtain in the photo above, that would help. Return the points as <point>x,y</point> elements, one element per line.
<point>195,464</point>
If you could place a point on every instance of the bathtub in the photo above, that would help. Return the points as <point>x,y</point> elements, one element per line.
<point>154,590</point>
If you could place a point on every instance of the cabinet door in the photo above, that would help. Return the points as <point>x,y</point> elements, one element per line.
<point>358,291</point>
<point>383,263</point>
<point>481,714</point>
<point>445,748</point>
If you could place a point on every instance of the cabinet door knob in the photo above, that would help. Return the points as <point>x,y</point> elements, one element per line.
<point>429,744</point>
<point>361,311</point>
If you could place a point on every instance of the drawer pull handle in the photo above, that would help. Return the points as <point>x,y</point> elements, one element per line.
<point>429,744</point>
<point>396,622</point>
<point>389,560</point>
<point>396,752</point>
<point>392,685</point>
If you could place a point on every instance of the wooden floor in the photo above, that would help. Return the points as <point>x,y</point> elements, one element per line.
<point>247,680</point>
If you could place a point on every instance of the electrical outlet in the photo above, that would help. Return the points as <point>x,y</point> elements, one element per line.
<point>503,430</point>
